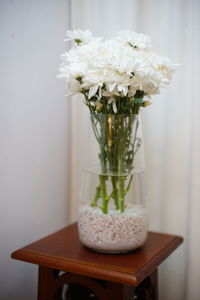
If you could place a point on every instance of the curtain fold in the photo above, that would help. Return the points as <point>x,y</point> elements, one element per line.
<point>170,127</point>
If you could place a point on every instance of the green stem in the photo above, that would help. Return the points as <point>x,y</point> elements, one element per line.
<point>117,151</point>
<point>121,192</point>
<point>115,191</point>
<point>136,108</point>
<point>129,185</point>
<point>122,151</point>
<point>104,194</point>
<point>96,196</point>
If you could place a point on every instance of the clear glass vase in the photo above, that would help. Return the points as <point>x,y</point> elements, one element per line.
<point>113,215</point>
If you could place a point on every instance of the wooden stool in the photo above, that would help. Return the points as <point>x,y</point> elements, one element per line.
<point>68,270</point>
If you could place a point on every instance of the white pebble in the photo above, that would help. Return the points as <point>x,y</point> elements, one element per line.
<point>115,231</point>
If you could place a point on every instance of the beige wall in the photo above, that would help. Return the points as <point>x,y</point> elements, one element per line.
<point>33,134</point>
<point>170,127</point>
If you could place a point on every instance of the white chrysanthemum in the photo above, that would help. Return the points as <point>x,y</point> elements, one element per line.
<point>135,40</point>
<point>163,66</point>
<point>72,87</point>
<point>113,68</point>
<point>79,36</point>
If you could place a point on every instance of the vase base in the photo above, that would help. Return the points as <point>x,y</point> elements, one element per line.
<point>111,251</point>
<point>114,232</point>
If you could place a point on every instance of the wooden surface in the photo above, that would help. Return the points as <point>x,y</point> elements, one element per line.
<point>63,251</point>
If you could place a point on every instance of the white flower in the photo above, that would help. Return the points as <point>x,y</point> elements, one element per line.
<point>135,40</point>
<point>116,67</point>
<point>72,87</point>
<point>163,66</point>
<point>79,36</point>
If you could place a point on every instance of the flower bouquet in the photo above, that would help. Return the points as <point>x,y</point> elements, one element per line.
<point>117,78</point>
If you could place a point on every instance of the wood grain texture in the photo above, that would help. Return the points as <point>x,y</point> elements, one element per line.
<point>63,251</point>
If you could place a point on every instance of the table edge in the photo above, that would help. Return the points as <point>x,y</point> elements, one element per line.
<point>93,270</point>
<point>78,268</point>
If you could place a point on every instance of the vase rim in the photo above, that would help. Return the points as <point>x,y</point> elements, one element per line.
<point>95,169</point>
<point>113,114</point>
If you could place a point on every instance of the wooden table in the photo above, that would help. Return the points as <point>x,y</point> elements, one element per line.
<point>68,270</point>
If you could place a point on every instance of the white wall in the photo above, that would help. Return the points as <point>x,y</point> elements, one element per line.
<point>33,135</point>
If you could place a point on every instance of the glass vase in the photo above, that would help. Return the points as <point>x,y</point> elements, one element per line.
<point>113,214</point>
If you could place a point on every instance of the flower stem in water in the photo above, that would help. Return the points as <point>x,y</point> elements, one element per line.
<point>104,194</point>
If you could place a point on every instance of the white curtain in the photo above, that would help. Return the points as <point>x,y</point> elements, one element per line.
<point>170,127</point>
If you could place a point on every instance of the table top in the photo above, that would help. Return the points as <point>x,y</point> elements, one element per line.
<point>63,251</point>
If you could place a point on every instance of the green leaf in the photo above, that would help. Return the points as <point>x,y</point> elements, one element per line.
<point>138,101</point>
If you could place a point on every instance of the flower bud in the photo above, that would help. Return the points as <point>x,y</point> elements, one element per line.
<point>146,103</point>
<point>99,106</point>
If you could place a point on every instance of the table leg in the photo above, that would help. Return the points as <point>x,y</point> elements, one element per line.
<point>148,289</point>
<point>45,280</point>
<point>50,287</point>
<point>117,291</point>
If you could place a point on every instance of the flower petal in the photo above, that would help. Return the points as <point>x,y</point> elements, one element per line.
<point>114,106</point>
<point>93,91</point>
